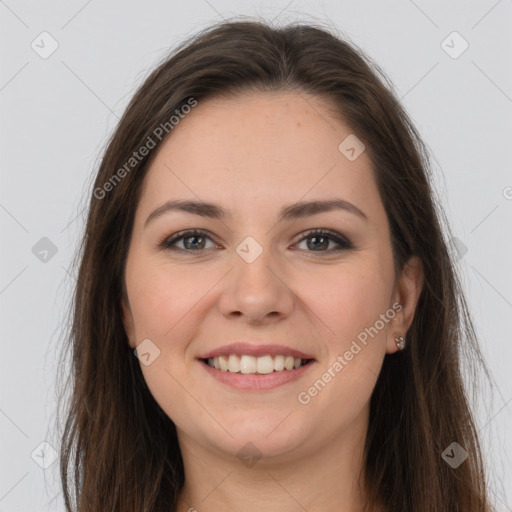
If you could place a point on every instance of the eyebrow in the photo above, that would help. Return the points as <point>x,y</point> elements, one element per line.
<point>290,212</point>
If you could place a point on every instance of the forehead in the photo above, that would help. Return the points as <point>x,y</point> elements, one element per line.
<point>254,149</point>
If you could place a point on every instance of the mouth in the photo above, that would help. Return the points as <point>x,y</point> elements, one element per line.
<point>254,367</point>
<point>263,365</point>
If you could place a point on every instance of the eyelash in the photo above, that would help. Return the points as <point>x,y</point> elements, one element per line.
<point>343,242</point>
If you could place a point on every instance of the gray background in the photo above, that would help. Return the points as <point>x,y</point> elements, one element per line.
<point>57,112</point>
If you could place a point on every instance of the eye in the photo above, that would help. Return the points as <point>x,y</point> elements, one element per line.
<point>194,240</point>
<point>321,238</point>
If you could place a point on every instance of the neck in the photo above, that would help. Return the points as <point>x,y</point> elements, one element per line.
<point>324,478</point>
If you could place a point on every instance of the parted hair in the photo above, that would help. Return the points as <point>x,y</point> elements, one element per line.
<point>119,451</point>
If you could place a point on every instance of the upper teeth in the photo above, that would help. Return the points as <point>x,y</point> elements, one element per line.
<point>251,364</point>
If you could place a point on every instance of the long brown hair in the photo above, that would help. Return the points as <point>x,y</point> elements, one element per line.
<point>119,449</point>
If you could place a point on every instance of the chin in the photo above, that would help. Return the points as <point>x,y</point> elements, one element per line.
<point>263,437</point>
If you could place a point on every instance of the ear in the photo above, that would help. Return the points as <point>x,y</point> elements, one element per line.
<point>407,292</point>
<point>128,322</point>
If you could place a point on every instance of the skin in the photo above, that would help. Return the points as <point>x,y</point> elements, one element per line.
<point>253,154</point>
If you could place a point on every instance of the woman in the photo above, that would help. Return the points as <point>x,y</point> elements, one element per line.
<point>266,315</point>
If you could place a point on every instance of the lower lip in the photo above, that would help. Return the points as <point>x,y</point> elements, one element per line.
<point>255,382</point>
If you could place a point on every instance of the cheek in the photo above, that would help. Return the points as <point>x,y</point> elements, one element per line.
<point>352,302</point>
<point>166,301</point>
<point>163,297</point>
<point>346,301</point>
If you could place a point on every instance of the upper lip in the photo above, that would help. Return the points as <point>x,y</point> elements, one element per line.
<point>242,348</point>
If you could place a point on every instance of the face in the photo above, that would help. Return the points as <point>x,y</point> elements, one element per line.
<point>255,274</point>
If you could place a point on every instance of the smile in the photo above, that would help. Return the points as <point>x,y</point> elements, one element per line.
<point>263,365</point>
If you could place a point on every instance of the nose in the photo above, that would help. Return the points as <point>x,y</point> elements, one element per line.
<point>259,292</point>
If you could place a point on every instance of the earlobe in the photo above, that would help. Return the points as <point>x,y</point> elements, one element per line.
<point>407,293</point>
<point>400,342</point>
